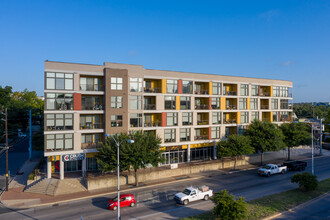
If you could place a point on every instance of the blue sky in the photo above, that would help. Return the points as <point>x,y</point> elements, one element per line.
<point>279,39</point>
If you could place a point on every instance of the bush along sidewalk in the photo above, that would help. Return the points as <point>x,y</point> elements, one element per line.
<point>280,202</point>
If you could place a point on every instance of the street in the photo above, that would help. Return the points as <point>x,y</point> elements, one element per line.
<point>157,202</point>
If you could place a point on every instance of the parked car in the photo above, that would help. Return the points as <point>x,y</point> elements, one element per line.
<point>296,165</point>
<point>125,200</point>
<point>191,194</point>
<point>270,169</point>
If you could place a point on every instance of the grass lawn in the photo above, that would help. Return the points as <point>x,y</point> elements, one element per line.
<point>270,205</point>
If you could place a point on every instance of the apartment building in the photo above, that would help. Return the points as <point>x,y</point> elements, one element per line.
<point>190,112</point>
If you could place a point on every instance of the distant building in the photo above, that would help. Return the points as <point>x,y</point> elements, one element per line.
<point>327,104</point>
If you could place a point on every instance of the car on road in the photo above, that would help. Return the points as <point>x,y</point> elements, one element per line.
<point>191,194</point>
<point>270,169</point>
<point>295,165</point>
<point>125,200</point>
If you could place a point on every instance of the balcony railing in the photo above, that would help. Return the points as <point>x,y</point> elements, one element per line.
<point>230,121</point>
<point>90,145</point>
<point>202,92</point>
<point>201,137</point>
<point>149,107</point>
<point>264,106</point>
<point>92,107</point>
<point>264,93</point>
<point>168,140</point>
<point>62,106</point>
<point>202,122</point>
<point>91,126</point>
<point>59,128</point>
<point>204,106</point>
<point>153,124</point>
<point>266,119</point>
<point>215,106</point>
<point>231,107</point>
<point>152,90</point>
<point>91,87</point>
<point>230,93</point>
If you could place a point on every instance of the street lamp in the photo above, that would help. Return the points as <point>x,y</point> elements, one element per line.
<point>118,166</point>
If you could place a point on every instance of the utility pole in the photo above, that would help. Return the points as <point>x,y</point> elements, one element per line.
<point>30,136</point>
<point>320,136</point>
<point>312,151</point>
<point>6,127</point>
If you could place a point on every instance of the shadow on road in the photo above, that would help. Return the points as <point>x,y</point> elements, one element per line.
<point>100,202</point>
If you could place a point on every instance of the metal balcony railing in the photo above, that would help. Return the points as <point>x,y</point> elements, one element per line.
<point>149,107</point>
<point>264,106</point>
<point>91,126</point>
<point>91,87</point>
<point>202,92</point>
<point>91,107</point>
<point>152,90</point>
<point>230,93</point>
<point>201,137</point>
<point>90,145</point>
<point>203,106</point>
<point>231,107</point>
<point>230,121</point>
<point>153,124</point>
<point>202,122</point>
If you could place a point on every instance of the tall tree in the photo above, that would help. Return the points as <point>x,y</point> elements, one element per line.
<point>235,145</point>
<point>264,137</point>
<point>295,134</point>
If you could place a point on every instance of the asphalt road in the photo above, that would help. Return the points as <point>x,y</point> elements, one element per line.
<point>157,202</point>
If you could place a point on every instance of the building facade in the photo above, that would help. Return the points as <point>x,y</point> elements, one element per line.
<point>190,112</point>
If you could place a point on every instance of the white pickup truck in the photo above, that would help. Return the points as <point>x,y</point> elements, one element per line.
<point>270,169</point>
<point>191,194</point>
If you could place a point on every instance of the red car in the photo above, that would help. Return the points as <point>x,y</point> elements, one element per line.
<point>125,200</point>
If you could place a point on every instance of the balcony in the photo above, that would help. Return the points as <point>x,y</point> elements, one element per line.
<point>231,103</point>
<point>264,103</point>
<point>149,103</point>
<point>266,116</point>
<point>91,87</point>
<point>90,145</point>
<point>153,120</point>
<point>229,89</point>
<point>202,103</point>
<point>265,91</point>
<point>201,134</point>
<point>91,84</point>
<point>92,103</point>
<point>202,118</point>
<point>202,88</point>
<point>59,128</point>
<point>95,125</point>
<point>153,85</point>
<point>230,118</point>
<point>286,117</point>
<point>231,130</point>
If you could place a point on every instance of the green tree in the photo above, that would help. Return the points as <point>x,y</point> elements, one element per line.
<point>235,145</point>
<point>295,134</point>
<point>227,207</point>
<point>327,122</point>
<point>306,181</point>
<point>145,151</point>
<point>264,137</point>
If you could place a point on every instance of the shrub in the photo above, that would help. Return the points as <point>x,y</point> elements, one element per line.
<point>227,207</point>
<point>306,181</point>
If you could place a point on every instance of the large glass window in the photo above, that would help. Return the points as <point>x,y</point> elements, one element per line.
<point>91,122</point>
<point>136,120</point>
<point>59,101</point>
<point>215,103</point>
<point>284,104</point>
<point>59,142</point>
<point>135,102</point>
<point>284,116</point>
<point>169,135</point>
<point>244,117</point>
<point>215,132</point>
<point>90,140</point>
<point>244,90</point>
<point>172,86</point>
<point>290,92</point>
<point>253,104</point>
<point>135,84</point>
<point>275,117</point>
<point>90,84</point>
<point>276,91</point>
<point>242,129</point>
<point>284,91</point>
<point>184,103</point>
<point>254,116</point>
<point>187,87</point>
<point>170,103</point>
<point>216,88</point>
<point>116,101</point>
<point>185,134</point>
<point>243,103</point>
<point>255,90</point>
<point>59,122</point>
<point>274,103</point>
<point>116,83</point>
<point>59,81</point>
<point>216,118</point>
<point>91,103</point>
<point>187,118</point>
<point>172,119</point>
<point>91,163</point>
<point>116,120</point>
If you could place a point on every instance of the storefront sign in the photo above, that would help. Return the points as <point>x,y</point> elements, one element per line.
<point>71,157</point>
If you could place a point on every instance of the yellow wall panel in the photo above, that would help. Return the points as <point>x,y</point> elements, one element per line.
<point>177,101</point>
<point>89,155</point>
<point>271,91</point>
<point>223,103</point>
<point>164,85</point>
<point>248,103</point>
<point>238,117</point>
<point>271,116</point>
<point>210,88</point>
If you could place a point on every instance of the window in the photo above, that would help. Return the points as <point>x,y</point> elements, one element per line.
<point>216,88</point>
<point>135,102</point>
<point>116,83</point>
<point>91,163</point>
<point>284,116</point>
<point>276,91</point>
<point>90,122</point>
<point>59,101</point>
<point>274,103</point>
<point>59,122</point>
<point>59,81</point>
<point>215,132</point>
<point>185,134</point>
<point>59,142</point>
<point>253,104</point>
<point>284,91</point>
<point>172,86</point>
<point>284,104</point>
<point>244,90</point>
<point>255,90</point>
<point>187,87</point>
<point>184,103</point>
<point>169,135</point>
<point>116,101</point>
<point>116,120</point>
<point>90,140</point>
<point>275,116</point>
<point>254,116</point>
<point>290,92</point>
<point>136,120</point>
<point>242,129</point>
<point>244,117</point>
<point>172,119</point>
<point>215,103</point>
<point>216,118</point>
<point>90,84</point>
<point>243,103</point>
<point>135,84</point>
<point>91,103</point>
<point>170,103</point>
<point>187,118</point>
